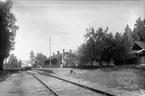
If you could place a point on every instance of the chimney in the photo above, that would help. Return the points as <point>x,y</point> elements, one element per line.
<point>63,51</point>
<point>70,51</point>
<point>58,53</point>
<point>53,53</point>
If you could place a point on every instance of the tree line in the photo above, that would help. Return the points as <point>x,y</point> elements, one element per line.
<point>38,60</point>
<point>103,46</point>
<point>13,62</point>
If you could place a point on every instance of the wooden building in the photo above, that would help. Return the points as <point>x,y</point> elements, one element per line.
<point>65,59</point>
<point>138,51</point>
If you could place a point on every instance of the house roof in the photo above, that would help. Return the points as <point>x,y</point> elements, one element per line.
<point>141,44</point>
<point>59,55</point>
<point>137,51</point>
<point>54,56</point>
<point>133,51</point>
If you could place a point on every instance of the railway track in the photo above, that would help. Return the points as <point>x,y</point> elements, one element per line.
<point>82,87</point>
<point>49,89</point>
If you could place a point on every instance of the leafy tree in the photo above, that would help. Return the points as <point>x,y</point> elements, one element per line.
<point>90,37</point>
<point>128,38</point>
<point>32,57</point>
<point>92,49</point>
<point>129,33</point>
<point>102,46</point>
<point>41,58</point>
<point>20,63</point>
<point>108,48</point>
<point>82,57</point>
<point>8,30</point>
<point>119,51</point>
<point>13,61</point>
<point>139,30</point>
<point>123,44</point>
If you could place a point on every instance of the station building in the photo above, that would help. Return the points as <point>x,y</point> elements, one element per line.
<point>64,59</point>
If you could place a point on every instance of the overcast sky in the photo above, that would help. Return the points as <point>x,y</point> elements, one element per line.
<point>38,19</point>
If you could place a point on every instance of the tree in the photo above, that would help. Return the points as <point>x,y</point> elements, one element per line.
<point>124,42</point>
<point>20,63</point>
<point>8,30</point>
<point>92,49</point>
<point>90,37</point>
<point>119,47</point>
<point>129,34</point>
<point>108,48</point>
<point>82,57</point>
<point>102,46</point>
<point>13,61</point>
<point>32,57</point>
<point>41,58</point>
<point>139,30</point>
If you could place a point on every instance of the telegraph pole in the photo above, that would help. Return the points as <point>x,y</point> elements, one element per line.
<point>62,57</point>
<point>50,42</point>
<point>50,49</point>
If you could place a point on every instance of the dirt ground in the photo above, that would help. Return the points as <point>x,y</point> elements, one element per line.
<point>22,84</point>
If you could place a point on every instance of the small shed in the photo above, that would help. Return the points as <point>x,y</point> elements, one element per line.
<point>138,49</point>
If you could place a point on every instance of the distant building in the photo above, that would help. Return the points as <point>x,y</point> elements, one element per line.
<point>138,52</point>
<point>26,64</point>
<point>65,59</point>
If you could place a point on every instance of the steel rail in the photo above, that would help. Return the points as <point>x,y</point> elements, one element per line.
<point>54,93</point>
<point>80,85</point>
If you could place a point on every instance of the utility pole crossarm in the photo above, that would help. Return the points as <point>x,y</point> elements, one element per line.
<point>57,33</point>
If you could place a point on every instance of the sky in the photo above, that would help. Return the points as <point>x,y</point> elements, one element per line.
<point>66,22</point>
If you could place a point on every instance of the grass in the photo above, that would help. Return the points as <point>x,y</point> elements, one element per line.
<point>125,78</point>
<point>129,78</point>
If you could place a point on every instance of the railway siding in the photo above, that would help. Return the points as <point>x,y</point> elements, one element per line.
<point>49,89</point>
<point>80,85</point>
<point>63,88</point>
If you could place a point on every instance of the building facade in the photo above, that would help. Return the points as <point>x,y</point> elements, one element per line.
<point>65,59</point>
<point>138,52</point>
